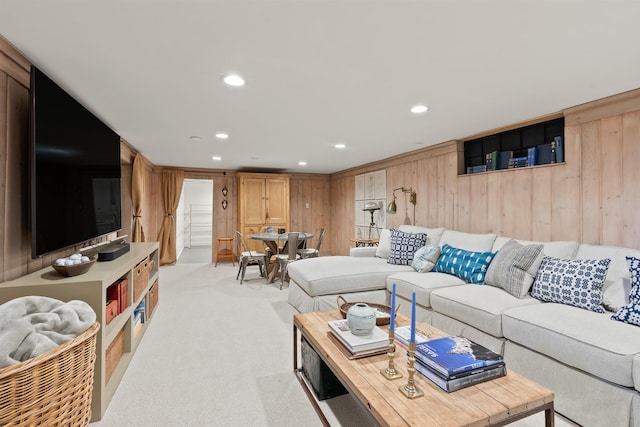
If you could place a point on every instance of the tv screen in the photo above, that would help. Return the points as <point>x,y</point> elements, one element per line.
<point>75,170</point>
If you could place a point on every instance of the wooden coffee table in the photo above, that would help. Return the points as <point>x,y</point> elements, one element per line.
<point>495,403</point>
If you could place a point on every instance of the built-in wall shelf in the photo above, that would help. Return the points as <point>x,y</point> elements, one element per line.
<point>118,339</point>
<point>531,145</point>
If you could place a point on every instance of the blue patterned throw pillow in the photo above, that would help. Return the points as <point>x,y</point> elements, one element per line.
<point>630,313</point>
<point>576,282</point>
<point>467,265</point>
<point>404,245</point>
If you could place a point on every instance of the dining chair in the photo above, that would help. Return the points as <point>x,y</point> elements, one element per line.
<point>284,259</point>
<point>315,251</point>
<point>249,257</point>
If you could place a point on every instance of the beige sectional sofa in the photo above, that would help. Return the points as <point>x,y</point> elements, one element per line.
<point>590,361</point>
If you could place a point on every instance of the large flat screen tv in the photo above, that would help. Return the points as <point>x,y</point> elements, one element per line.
<point>75,178</point>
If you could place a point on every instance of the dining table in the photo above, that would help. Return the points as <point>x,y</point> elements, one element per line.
<point>273,242</point>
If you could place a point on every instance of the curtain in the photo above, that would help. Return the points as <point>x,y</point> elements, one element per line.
<point>137,194</point>
<point>171,189</point>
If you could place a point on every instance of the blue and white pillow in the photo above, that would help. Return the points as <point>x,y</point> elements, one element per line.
<point>425,258</point>
<point>576,282</point>
<point>404,246</point>
<point>630,313</point>
<point>467,265</point>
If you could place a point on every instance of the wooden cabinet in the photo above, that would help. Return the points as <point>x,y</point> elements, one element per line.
<point>117,340</point>
<point>263,201</point>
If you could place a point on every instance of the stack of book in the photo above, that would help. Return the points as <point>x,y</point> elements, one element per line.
<point>402,334</point>
<point>359,345</point>
<point>456,362</point>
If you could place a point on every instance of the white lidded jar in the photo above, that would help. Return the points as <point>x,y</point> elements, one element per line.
<point>361,319</point>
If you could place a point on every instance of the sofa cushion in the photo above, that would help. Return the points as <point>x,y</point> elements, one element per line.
<point>617,285</point>
<point>433,234</point>
<point>630,313</point>
<point>342,274</point>
<point>468,265</point>
<point>514,267</point>
<point>423,284</point>
<point>468,241</point>
<point>580,338</point>
<point>573,282</point>
<point>404,245</point>
<point>477,306</point>
<point>384,244</point>
<point>425,258</point>
<point>559,249</point>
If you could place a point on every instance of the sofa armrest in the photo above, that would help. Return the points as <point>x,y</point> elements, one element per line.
<point>369,251</point>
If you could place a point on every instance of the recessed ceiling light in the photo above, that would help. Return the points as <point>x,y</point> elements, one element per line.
<point>417,109</point>
<point>195,138</point>
<point>302,163</point>
<point>217,158</point>
<point>340,146</point>
<point>222,135</point>
<point>234,80</point>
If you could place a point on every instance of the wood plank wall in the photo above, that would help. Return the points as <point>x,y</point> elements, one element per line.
<point>592,198</point>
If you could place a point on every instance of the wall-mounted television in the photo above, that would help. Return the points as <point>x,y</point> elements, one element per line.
<point>75,178</point>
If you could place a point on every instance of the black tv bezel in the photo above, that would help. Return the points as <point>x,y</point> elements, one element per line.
<point>32,160</point>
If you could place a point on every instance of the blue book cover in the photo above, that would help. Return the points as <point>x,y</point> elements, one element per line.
<point>532,156</point>
<point>559,149</point>
<point>456,354</point>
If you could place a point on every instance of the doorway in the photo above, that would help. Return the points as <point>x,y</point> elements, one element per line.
<point>194,222</point>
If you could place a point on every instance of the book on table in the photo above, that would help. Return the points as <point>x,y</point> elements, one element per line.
<point>455,355</point>
<point>402,334</point>
<point>466,379</point>
<point>377,340</point>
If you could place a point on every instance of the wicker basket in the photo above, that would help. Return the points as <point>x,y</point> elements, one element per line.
<point>52,389</point>
<point>385,319</point>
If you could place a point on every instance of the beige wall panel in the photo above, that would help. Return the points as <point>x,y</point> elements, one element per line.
<point>463,202</point>
<point>396,179</point>
<point>448,173</point>
<point>428,214</point>
<point>631,178</point>
<point>509,209</point>
<point>311,191</point>
<point>342,221</point>
<point>16,242</point>
<point>126,170</point>
<point>612,189</point>
<point>494,203</point>
<point>566,223</point>
<point>4,224</point>
<point>520,199</point>
<point>478,207</point>
<point>541,204</point>
<point>591,180</point>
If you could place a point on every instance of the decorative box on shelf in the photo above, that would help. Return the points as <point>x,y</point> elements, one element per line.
<point>140,278</point>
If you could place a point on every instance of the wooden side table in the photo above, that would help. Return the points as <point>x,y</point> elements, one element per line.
<point>224,250</point>
<point>365,242</point>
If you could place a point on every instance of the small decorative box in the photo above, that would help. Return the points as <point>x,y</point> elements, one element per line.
<point>111,310</point>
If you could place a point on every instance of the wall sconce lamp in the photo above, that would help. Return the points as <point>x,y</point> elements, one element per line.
<point>392,207</point>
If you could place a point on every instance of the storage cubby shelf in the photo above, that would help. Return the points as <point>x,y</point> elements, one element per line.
<point>91,287</point>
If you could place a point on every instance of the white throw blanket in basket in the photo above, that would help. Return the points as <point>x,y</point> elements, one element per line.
<point>32,325</point>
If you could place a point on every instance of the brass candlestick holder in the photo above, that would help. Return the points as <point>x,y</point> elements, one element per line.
<point>391,372</point>
<point>409,389</point>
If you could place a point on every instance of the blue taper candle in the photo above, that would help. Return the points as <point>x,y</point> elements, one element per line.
<point>413,316</point>
<point>393,307</point>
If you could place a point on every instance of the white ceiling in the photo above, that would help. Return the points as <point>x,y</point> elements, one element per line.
<point>323,72</point>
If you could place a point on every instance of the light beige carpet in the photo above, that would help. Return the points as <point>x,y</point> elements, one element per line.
<point>218,353</point>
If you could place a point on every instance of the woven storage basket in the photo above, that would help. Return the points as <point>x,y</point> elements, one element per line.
<point>52,389</point>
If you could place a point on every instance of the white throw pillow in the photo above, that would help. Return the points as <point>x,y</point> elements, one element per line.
<point>384,244</point>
